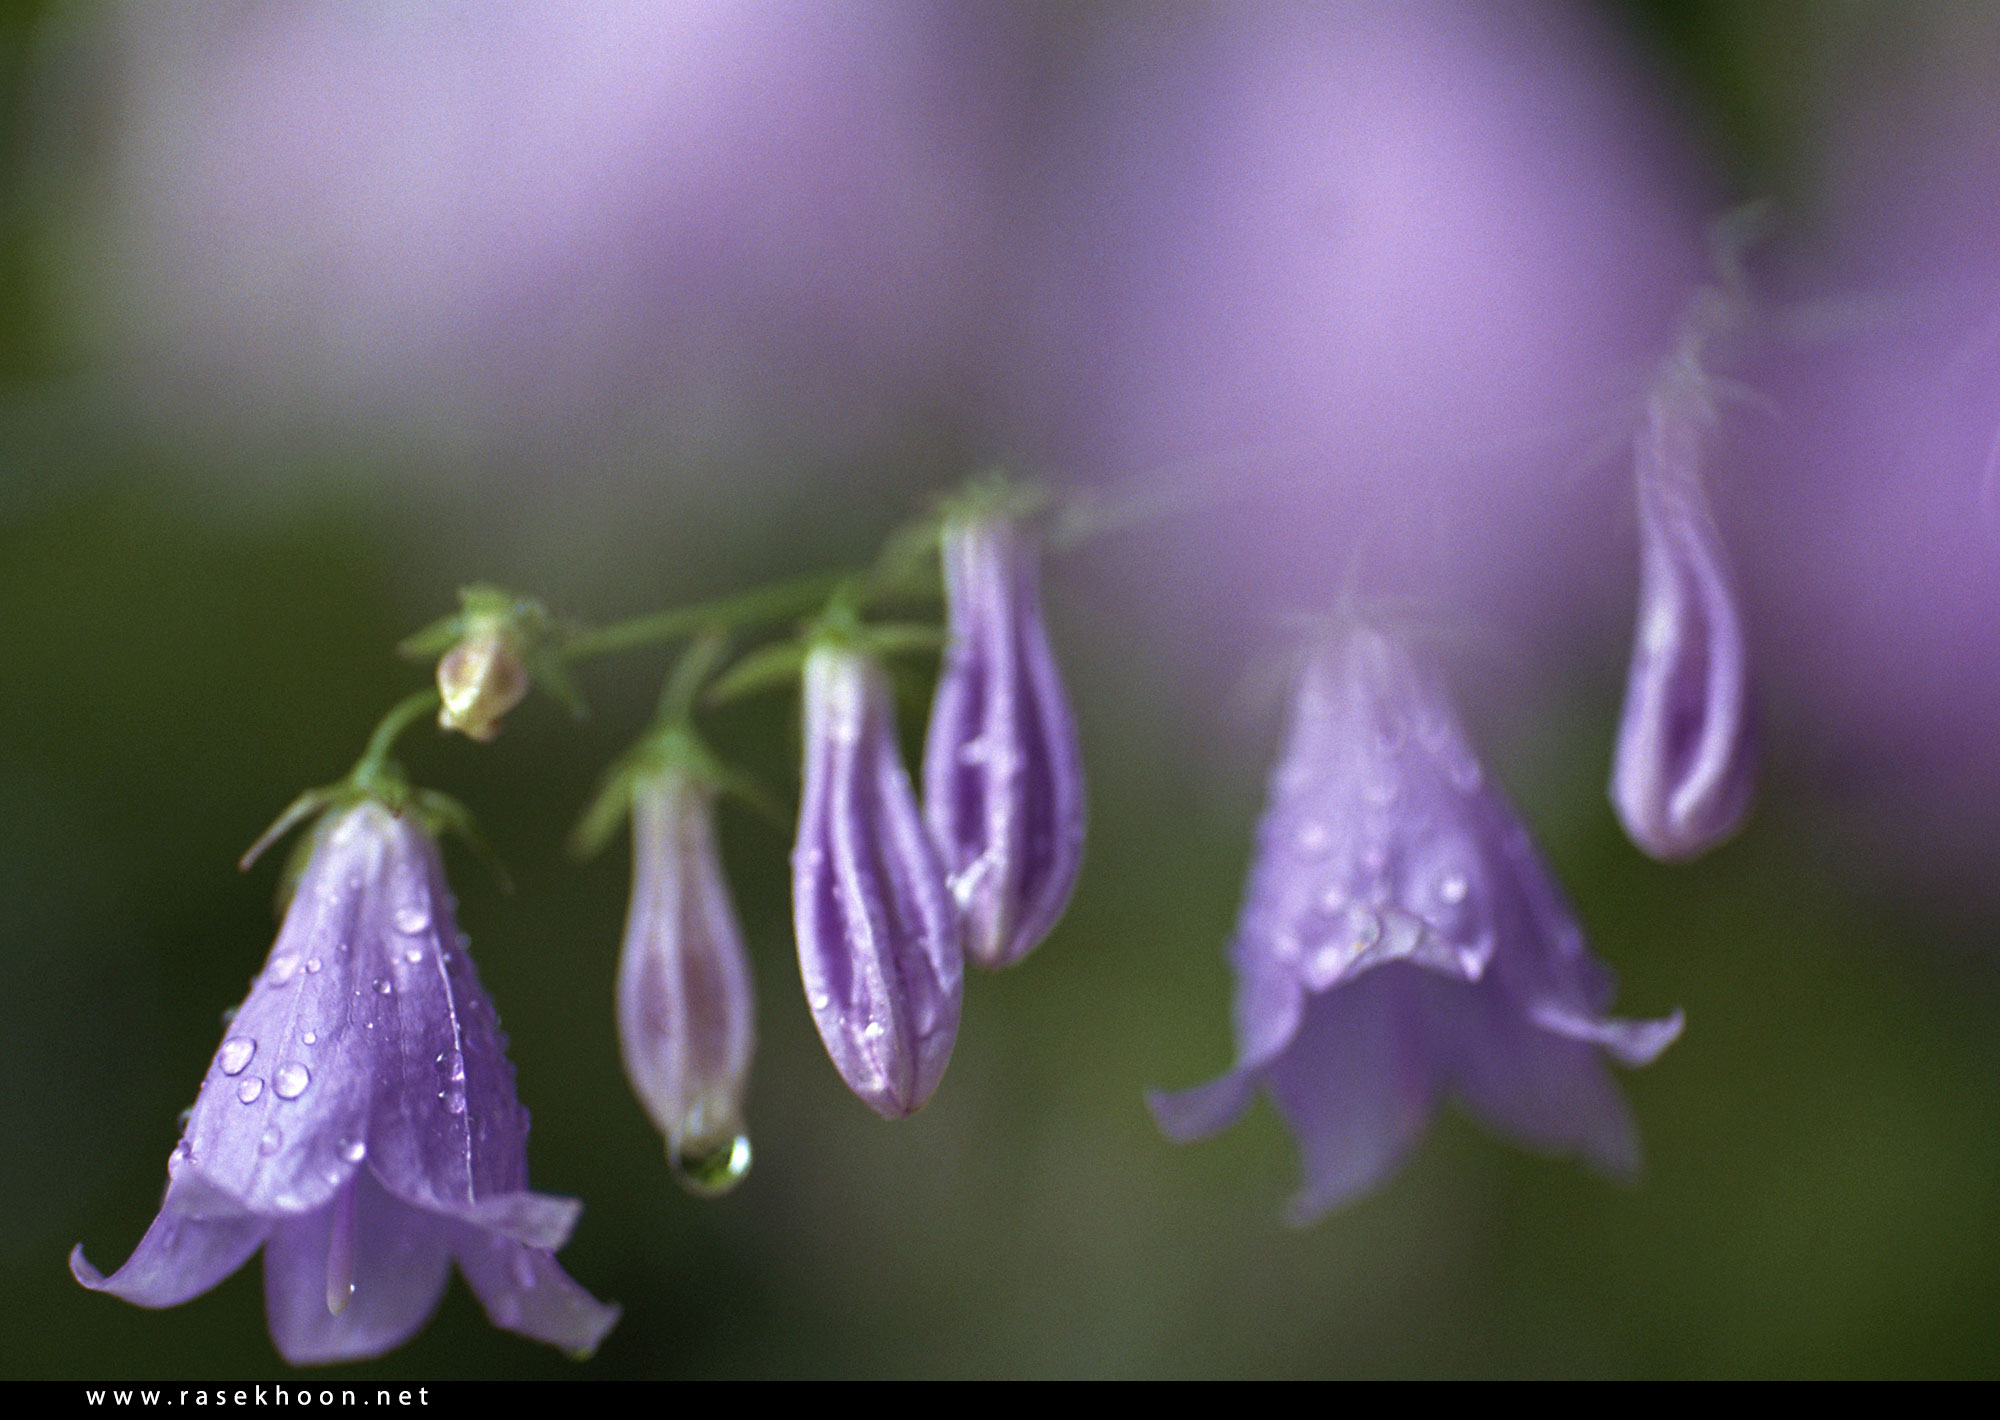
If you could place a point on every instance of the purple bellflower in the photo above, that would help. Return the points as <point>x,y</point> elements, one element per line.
<point>1401,940</point>
<point>879,940</point>
<point>1685,763</point>
<point>359,1123</point>
<point>1003,781</point>
<point>686,1011</point>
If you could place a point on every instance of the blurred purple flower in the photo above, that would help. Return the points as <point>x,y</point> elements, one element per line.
<point>360,1124</point>
<point>1685,765</point>
<point>577,222</point>
<point>1003,779</point>
<point>1400,941</point>
<point>1379,272</point>
<point>686,1012</point>
<point>879,942</point>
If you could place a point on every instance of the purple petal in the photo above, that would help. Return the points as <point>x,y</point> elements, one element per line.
<point>288,1091</point>
<point>686,1008</point>
<point>188,1249</point>
<point>383,1263</point>
<point>1003,781</point>
<point>1187,1115</point>
<point>1682,777</point>
<point>878,940</point>
<point>1357,1088</point>
<point>524,1290</point>
<point>447,1129</point>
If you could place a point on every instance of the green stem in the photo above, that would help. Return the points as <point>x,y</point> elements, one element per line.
<point>406,712</point>
<point>776,602</point>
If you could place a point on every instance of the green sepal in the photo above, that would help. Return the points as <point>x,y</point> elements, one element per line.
<point>766,668</point>
<point>670,749</point>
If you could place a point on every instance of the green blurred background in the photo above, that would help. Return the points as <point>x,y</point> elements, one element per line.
<point>179,655</point>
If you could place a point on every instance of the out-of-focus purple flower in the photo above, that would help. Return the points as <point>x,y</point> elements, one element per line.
<point>1003,780</point>
<point>1401,941</point>
<point>1371,272</point>
<point>359,1122</point>
<point>574,223</point>
<point>686,1013</point>
<point>1682,777</point>
<point>879,940</point>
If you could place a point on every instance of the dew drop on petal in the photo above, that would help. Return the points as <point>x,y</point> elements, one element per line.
<point>413,956</point>
<point>291,1080</point>
<point>1452,888</point>
<point>235,1054</point>
<point>411,920</point>
<point>353,1150</point>
<point>382,986</point>
<point>282,968</point>
<point>270,1142</point>
<point>313,965</point>
<point>228,1015</point>
<point>311,1037</point>
<point>181,1119</point>
<point>249,1090</point>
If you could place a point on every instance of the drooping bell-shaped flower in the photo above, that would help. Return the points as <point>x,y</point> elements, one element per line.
<point>359,1122</point>
<point>878,937</point>
<point>1400,942</point>
<point>1686,759</point>
<point>686,1011</point>
<point>1003,781</point>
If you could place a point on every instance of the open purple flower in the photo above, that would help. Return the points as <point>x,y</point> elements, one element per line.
<point>1003,781</point>
<point>1401,941</point>
<point>1685,763</point>
<point>879,944</point>
<point>686,1013</point>
<point>359,1123</point>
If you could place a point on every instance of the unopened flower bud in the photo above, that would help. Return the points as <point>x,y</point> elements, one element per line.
<point>878,939</point>
<point>686,1013</point>
<point>480,679</point>
<point>1003,781</point>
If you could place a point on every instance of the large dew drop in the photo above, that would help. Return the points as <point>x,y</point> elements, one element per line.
<point>713,1172</point>
<point>235,1054</point>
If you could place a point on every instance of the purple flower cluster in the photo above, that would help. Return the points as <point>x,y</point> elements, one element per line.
<point>359,1123</point>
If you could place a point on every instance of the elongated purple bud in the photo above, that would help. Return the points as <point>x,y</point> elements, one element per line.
<point>1686,759</point>
<point>1003,781</point>
<point>879,945</point>
<point>686,1011</point>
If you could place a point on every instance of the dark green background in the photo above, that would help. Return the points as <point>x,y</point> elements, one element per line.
<point>1823,1190</point>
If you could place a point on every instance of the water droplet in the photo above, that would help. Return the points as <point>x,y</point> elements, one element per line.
<point>1314,838</point>
<point>1361,927</point>
<point>313,965</point>
<point>270,1142</point>
<point>819,1000</point>
<point>291,1080</point>
<point>382,986</point>
<point>464,940</point>
<point>873,1031</point>
<point>413,956</point>
<point>1453,887</point>
<point>281,968</point>
<point>454,1102</point>
<point>249,1090</point>
<point>710,1173</point>
<point>181,1119</point>
<point>411,920</point>
<point>352,1150</point>
<point>229,1015</point>
<point>311,1037</point>
<point>235,1054</point>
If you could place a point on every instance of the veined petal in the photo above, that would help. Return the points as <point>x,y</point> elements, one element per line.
<point>1685,761</point>
<point>382,1263</point>
<point>288,1090</point>
<point>878,940</point>
<point>1003,778</point>
<point>447,1129</point>
<point>524,1290</point>
<point>192,1244</point>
